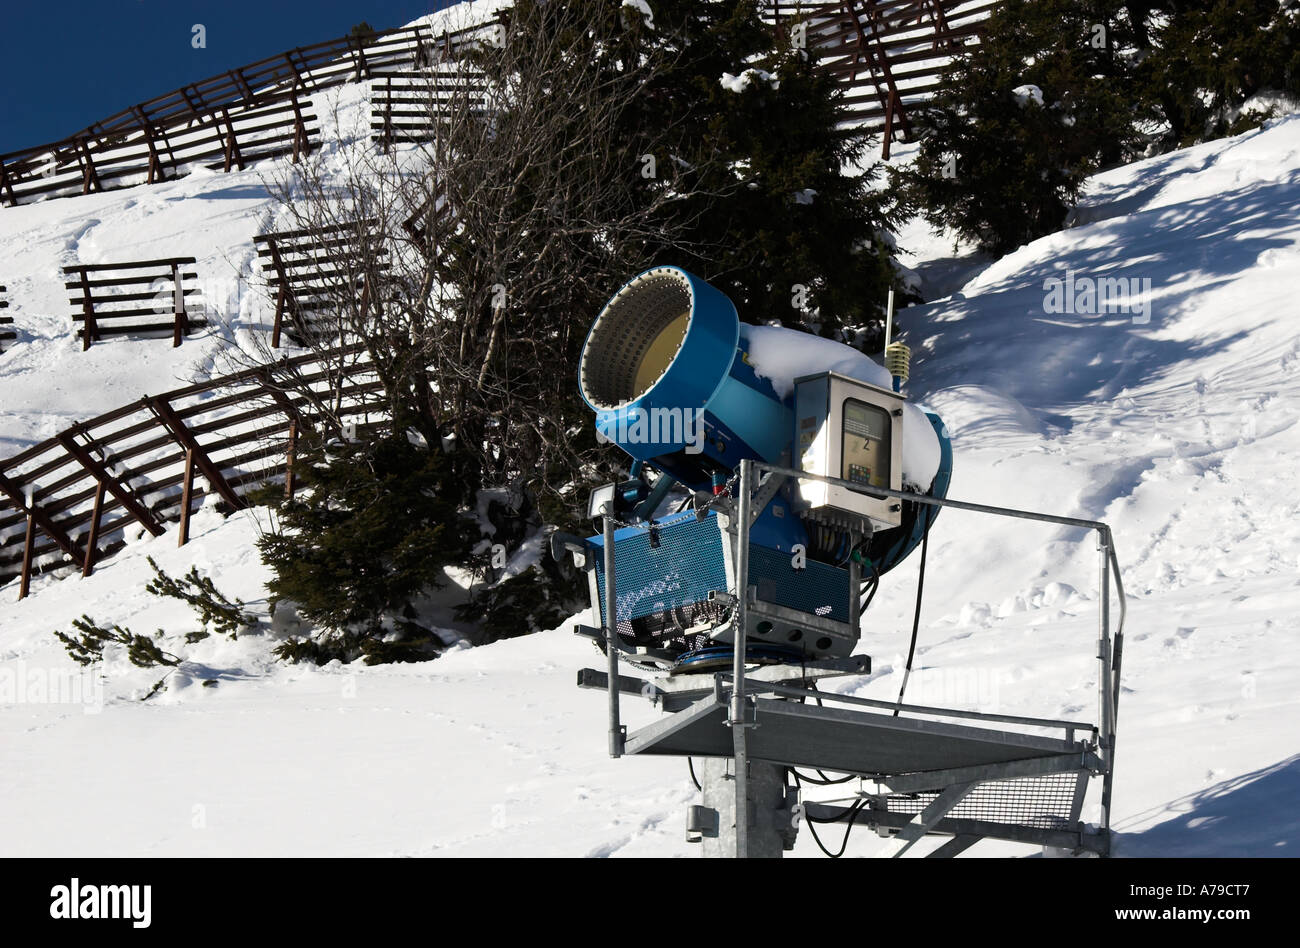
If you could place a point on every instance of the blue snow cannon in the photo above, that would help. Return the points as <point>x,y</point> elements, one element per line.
<point>666,369</point>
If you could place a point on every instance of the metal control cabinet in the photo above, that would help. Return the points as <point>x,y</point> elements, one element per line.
<point>852,430</point>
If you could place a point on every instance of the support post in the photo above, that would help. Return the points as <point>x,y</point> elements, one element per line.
<point>301,144</point>
<point>1104,681</point>
<point>92,538</point>
<point>89,330</point>
<point>155,161</point>
<point>889,127</point>
<point>297,76</point>
<point>28,543</point>
<point>737,719</point>
<point>278,324</point>
<point>233,156</point>
<point>388,113</point>
<point>187,491</point>
<point>89,177</point>
<point>766,813</point>
<point>289,457</point>
<point>282,297</point>
<point>611,635</point>
<point>6,186</point>
<point>178,306</point>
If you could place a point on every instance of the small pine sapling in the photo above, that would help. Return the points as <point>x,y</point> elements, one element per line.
<point>215,611</point>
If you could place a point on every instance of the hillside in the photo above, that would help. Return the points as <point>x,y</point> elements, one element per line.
<point>1180,431</point>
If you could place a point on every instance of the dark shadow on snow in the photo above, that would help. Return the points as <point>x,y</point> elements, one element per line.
<point>1253,814</point>
<point>1185,250</point>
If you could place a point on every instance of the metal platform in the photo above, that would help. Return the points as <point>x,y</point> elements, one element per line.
<point>958,773</point>
<point>869,744</point>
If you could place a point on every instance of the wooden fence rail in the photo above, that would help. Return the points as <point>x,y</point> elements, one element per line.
<point>77,497</point>
<point>5,321</point>
<point>158,289</point>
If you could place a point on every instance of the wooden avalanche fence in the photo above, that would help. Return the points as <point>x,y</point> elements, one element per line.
<point>68,502</point>
<point>405,107</point>
<point>227,121</point>
<point>138,298</point>
<point>313,271</point>
<point>5,321</point>
<point>888,54</point>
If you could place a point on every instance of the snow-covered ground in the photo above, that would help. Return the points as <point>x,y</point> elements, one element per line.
<point>1178,427</point>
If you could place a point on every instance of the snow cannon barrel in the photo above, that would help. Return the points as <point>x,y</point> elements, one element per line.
<point>665,369</point>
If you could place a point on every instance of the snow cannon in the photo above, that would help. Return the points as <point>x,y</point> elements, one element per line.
<point>688,392</point>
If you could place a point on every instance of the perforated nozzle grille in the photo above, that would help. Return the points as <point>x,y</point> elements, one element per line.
<point>636,338</point>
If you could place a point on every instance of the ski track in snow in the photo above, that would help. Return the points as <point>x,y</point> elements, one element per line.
<point>1181,433</point>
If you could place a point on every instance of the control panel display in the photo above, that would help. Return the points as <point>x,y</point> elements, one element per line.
<point>866,451</point>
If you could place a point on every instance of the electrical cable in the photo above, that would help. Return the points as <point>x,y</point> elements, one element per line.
<point>873,583</point>
<point>916,618</point>
<point>824,780</point>
<point>852,814</point>
<point>690,764</point>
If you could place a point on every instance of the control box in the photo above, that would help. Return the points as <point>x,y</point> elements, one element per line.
<point>852,430</point>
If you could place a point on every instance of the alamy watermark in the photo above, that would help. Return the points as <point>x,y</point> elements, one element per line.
<point>1098,296</point>
<point>666,426</point>
<point>80,900</point>
<point>21,684</point>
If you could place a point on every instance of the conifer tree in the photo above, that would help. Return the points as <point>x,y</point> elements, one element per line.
<point>367,533</point>
<point>1206,59</point>
<point>1022,119</point>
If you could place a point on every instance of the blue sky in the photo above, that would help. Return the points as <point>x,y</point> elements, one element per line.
<point>67,63</point>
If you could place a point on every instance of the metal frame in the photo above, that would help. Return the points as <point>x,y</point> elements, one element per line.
<point>738,692</point>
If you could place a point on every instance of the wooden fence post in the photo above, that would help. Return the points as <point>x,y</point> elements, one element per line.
<point>155,162</point>
<point>290,456</point>
<point>89,176</point>
<point>28,544</point>
<point>186,493</point>
<point>178,298</point>
<point>6,186</point>
<point>281,298</point>
<point>301,145</point>
<point>889,128</point>
<point>388,112</point>
<point>92,538</point>
<point>89,330</point>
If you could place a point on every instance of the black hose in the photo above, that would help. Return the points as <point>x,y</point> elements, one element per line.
<point>690,764</point>
<point>824,780</point>
<point>916,618</point>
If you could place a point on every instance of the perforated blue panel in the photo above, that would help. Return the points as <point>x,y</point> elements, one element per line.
<point>684,568</point>
<point>818,588</point>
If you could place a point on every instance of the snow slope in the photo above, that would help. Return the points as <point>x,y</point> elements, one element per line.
<point>1180,432</point>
